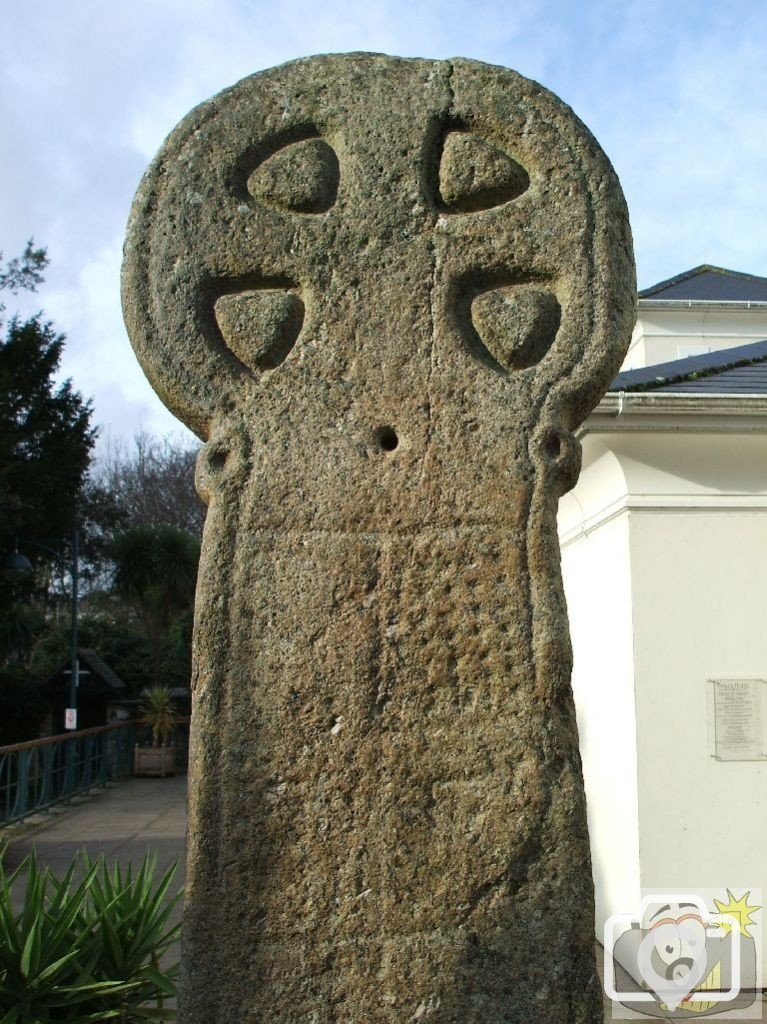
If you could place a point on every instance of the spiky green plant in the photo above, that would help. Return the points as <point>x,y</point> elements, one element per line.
<point>157,707</point>
<point>88,951</point>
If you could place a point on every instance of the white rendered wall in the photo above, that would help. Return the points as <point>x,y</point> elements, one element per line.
<point>664,559</point>
<point>664,334</point>
<point>700,607</point>
<point>596,574</point>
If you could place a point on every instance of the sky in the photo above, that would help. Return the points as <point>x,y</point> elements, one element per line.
<point>675,92</point>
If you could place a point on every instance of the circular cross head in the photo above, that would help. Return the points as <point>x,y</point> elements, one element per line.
<point>363,221</point>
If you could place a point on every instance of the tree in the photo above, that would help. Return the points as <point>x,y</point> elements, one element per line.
<point>153,484</point>
<point>46,437</point>
<point>23,272</point>
<point>22,706</point>
<point>122,645</point>
<point>48,487</point>
<point>156,574</point>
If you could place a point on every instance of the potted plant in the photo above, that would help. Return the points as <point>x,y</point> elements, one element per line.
<point>160,715</point>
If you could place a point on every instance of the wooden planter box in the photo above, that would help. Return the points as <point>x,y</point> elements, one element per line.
<point>157,761</point>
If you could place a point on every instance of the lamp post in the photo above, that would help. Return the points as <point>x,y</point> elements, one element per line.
<point>70,717</point>
<point>17,565</point>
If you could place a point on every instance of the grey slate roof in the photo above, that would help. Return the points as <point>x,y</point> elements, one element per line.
<point>709,283</point>
<point>733,371</point>
<point>743,380</point>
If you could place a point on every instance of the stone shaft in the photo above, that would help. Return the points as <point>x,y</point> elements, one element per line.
<point>384,292</point>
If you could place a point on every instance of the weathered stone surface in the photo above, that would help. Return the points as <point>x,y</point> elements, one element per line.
<point>387,813</point>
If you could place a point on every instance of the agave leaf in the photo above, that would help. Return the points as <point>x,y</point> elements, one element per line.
<point>65,916</point>
<point>30,955</point>
<point>63,924</point>
<point>87,1018</point>
<point>11,879</point>
<point>96,987</point>
<point>76,899</point>
<point>160,981</point>
<point>34,896</point>
<point>61,889</point>
<point>163,886</point>
<point>10,940</point>
<point>51,969</point>
<point>116,1013</point>
<point>113,944</point>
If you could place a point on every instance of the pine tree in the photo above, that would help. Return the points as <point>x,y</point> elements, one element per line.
<point>46,437</point>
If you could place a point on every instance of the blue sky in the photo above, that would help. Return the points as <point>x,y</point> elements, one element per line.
<point>675,92</point>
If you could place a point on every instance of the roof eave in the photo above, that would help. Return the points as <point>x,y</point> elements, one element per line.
<point>685,305</point>
<point>625,411</point>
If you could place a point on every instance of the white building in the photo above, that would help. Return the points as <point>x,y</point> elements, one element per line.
<point>664,559</point>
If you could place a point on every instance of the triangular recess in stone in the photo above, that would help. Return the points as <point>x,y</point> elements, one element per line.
<point>516,325</point>
<point>301,177</point>
<point>475,175</point>
<point>260,327</point>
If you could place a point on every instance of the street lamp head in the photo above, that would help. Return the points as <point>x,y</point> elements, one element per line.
<point>16,567</point>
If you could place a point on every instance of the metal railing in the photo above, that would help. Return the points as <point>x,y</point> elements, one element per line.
<point>40,773</point>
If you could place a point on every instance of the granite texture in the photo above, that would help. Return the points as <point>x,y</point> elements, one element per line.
<point>384,292</point>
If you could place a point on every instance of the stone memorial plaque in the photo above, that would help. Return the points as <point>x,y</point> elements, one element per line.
<point>737,719</point>
<point>384,293</point>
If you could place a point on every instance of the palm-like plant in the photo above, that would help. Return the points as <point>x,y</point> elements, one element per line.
<point>157,708</point>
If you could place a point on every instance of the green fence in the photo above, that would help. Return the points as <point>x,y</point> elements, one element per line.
<point>40,773</point>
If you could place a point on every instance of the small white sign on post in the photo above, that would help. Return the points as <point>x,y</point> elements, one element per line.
<point>70,718</point>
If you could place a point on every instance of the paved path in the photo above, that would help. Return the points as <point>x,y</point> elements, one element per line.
<point>123,822</point>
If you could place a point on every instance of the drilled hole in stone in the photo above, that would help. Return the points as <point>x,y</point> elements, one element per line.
<point>386,439</point>
<point>219,458</point>
<point>553,446</point>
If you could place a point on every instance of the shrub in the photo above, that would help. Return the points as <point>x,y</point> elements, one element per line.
<point>22,707</point>
<point>88,951</point>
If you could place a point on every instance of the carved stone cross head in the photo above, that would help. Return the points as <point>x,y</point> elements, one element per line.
<point>355,255</point>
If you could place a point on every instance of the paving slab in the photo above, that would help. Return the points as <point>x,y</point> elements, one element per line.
<point>121,821</point>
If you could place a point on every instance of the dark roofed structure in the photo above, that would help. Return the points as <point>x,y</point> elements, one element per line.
<point>96,677</point>
<point>98,688</point>
<point>707,283</point>
<point>733,371</point>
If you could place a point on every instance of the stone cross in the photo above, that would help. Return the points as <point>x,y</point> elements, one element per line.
<point>384,292</point>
